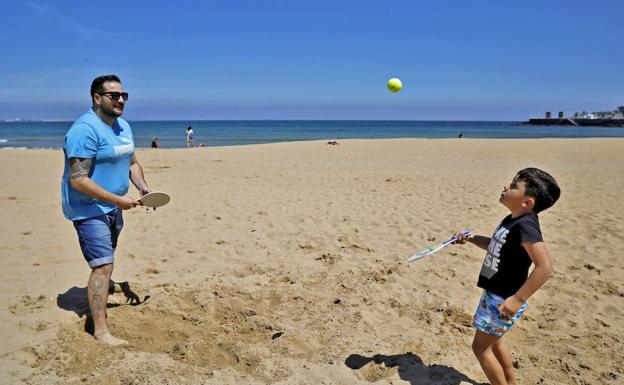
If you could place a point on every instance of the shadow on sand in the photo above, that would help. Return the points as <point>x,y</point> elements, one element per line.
<point>412,369</point>
<point>75,299</point>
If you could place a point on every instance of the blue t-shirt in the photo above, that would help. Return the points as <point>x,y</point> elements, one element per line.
<point>111,149</point>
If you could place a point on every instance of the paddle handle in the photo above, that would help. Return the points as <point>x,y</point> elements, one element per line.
<point>465,234</point>
<point>435,249</point>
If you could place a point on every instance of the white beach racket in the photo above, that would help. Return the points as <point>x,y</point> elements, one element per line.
<point>433,249</point>
<point>155,199</point>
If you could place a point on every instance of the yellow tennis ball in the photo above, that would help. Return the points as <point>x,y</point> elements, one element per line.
<point>395,85</point>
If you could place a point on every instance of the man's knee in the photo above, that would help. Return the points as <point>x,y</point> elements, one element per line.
<point>105,270</point>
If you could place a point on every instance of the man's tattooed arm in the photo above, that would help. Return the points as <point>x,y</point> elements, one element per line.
<point>79,167</point>
<point>79,180</point>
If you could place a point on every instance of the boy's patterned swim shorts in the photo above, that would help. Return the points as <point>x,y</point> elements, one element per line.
<point>489,319</point>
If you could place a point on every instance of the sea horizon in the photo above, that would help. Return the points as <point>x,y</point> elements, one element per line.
<point>27,120</point>
<point>172,133</point>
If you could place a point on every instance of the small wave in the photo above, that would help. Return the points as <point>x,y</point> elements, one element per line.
<point>3,140</point>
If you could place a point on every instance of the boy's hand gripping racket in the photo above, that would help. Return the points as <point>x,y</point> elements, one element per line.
<point>433,249</point>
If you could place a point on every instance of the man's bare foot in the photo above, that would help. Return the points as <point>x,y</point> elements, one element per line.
<point>108,338</point>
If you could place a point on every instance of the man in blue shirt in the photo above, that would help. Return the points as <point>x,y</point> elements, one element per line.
<point>99,156</point>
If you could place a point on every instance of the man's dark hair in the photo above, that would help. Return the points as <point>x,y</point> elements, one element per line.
<point>96,85</point>
<point>541,186</point>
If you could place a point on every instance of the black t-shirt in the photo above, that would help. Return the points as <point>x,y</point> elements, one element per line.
<point>506,264</point>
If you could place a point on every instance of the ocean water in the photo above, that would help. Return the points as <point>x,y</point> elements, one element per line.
<point>172,134</point>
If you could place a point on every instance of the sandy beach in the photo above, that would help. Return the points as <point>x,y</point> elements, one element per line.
<point>286,264</point>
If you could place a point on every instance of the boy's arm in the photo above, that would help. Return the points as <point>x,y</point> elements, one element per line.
<point>543,268</point>
<point>480,241</point>
<point>477,240</point>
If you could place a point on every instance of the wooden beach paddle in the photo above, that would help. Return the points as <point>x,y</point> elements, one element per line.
<point>155,199</point>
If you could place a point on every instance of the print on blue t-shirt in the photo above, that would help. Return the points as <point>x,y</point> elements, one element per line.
<point>111,149</point>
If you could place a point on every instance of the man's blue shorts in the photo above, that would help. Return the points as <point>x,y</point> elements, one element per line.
<point>98,237</point>
<point>489,319</point>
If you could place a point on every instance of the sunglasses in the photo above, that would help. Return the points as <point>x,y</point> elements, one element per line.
<point>115,95</point>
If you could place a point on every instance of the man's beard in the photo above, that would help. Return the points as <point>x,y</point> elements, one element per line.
<point>111,113</point>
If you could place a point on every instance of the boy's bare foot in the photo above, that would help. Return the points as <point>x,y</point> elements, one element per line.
<point>108,338</point>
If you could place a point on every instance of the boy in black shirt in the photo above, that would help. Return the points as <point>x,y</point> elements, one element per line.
<point>517,242</point>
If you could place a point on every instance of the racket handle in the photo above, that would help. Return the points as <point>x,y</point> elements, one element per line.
<point>465,234</point>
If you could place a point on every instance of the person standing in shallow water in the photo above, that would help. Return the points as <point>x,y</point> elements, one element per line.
<point>99,160</point>
<point>189,137</point>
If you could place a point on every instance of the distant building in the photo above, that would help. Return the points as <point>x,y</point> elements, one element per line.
<point>615,114</point>
<point>614,118</point>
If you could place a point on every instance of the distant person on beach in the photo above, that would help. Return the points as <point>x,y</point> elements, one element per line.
<point>461,135</point>
<point>516,244</point>
<point>189,137</point>
<point>202,144</point>
<point>99,160</point>
<point>155,142</point>
<point>333,142</point>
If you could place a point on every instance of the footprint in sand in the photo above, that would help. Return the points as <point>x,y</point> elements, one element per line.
<point>40,326</point>
<point>28,304</point>
<point>152,270</point>
<point>374,372</point>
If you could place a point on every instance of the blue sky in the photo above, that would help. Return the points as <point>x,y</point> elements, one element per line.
<point>458,60</point>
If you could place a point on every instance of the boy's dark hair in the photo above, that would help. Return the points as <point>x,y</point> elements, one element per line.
<point>540,185</point>
<point>96,85</point>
